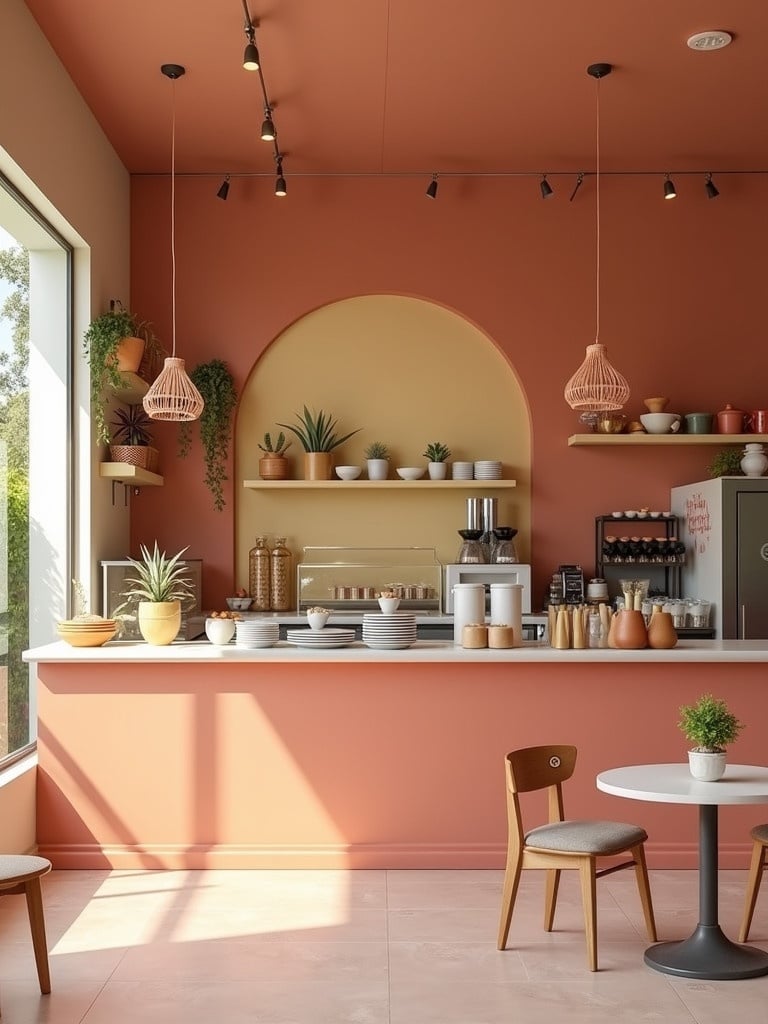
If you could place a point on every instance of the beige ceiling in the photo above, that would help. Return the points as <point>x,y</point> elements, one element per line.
<point>401,86</point>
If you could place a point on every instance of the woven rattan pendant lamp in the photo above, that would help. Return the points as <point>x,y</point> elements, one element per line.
<point>597,386</point>
<point>173,396</point>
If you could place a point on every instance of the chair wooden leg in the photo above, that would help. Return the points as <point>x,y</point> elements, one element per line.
<point>550,902</point>
<point>511,884</point>
<point>753,886</point>
<point>589,899</point>
<point>37,925</point>
<point>644,888</point>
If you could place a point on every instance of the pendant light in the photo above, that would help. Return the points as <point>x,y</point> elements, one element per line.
<point>173,396</point>
<point>596,386</point>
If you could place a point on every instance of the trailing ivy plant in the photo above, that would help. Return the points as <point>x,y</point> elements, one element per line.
<point>214,382</point>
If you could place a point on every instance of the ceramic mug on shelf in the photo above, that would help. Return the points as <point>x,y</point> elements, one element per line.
<point>698,423</point>
<point>757,421</point>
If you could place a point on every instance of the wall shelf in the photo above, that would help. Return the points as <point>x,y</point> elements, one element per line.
<point>132,390</point>
<point>638,439</point>
<point>361,485</point>
<point>131,476</point>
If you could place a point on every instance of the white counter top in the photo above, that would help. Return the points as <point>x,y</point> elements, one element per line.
<point>707,651</point>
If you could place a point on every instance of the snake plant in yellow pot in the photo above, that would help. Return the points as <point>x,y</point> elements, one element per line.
<point>158,588</point>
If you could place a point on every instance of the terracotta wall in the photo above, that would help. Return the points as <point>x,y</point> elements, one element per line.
<point>682,314</point>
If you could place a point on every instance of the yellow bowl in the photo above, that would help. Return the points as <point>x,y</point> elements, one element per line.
<point>87,637</point>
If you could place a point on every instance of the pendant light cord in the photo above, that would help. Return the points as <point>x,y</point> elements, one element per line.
<point>597,219</point>
<point>173,218</point>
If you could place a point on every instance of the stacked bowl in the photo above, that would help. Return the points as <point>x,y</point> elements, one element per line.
<point>253,633</point>
<point>488,469</point>
<point>389,632</point>
<point>92,631</point>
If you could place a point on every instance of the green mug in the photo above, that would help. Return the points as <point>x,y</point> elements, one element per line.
<point>698,423</point>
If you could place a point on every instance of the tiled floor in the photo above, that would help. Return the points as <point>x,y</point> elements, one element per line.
<point>361,947</point>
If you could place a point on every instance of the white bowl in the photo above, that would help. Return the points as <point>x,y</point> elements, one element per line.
<point>410,472</point>
<point>348,472</point>
<point>220,631</point>
<point>239,604</point>
<point>389,605</point>
<point>660,422</point>
<point>316,620</point>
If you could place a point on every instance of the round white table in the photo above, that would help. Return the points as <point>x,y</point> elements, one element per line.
<point>707,953</point>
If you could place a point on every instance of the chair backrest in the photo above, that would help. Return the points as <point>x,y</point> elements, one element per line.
<point>532,768</point>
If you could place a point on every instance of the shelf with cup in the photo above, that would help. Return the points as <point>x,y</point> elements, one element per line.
<point>638,439</point>
<point>401,485</point>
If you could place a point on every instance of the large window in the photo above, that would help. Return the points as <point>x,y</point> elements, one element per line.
<point>35,315</point>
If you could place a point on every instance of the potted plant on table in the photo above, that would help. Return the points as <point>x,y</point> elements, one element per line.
<point>131,438</point>
<point>217,388</point>
<point>159,587</point>
<point>437,453</point>
<point>711,726</point>
<point>317,433</point>
<point>377,460</point>
<point>273,464</point>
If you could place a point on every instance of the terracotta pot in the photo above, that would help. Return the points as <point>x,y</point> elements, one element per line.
<point>661,631</point>
<point>629,632</point>
<point>159,621</point>
<point>318,465</point>
<point>130,352</point>
<point>655,404</point>
<point>730,420</point>
<point>274,467</point>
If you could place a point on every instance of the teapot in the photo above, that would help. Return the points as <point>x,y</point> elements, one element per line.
<point>730,420</point>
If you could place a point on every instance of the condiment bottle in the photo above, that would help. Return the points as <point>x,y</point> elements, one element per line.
<point>280,576</point>
<point>258,575</point>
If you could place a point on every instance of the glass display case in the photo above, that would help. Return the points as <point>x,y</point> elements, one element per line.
<point>341,577</point>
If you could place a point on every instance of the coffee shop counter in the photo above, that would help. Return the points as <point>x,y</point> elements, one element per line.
<point>194,756</point>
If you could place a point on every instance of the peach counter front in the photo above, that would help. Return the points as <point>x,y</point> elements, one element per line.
<point>194,756</point>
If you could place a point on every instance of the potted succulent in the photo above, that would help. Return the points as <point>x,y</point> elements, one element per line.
<point>113,344</point>
<point>377,460</point>
<point>726,462</point>
<point>217,388</point>
<point>273,464</point>
<point>317,433</point>
<point>131,438</point>
<point>437,453</point>
<point>711,726</point>
<point>159,587</point>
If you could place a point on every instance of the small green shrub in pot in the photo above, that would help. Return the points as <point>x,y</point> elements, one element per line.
<point>711,726</point>
<point>377,460</point>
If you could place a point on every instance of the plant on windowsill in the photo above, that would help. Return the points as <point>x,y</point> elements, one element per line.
<point>437,453</point>
<point>317,433</point>
<point>377,460</point>
<point>214,382</point>
<point>711,726</point>
<point>132,440</point>
<point>115,343</point>
<point>158,588</point>
<point>273,464</point>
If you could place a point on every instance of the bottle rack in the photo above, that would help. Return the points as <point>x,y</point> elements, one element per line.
<point>661,530</point>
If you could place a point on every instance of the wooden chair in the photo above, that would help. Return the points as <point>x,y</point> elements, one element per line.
<point>21,874</point>
<point>760,841</point>
<point>562,845</point>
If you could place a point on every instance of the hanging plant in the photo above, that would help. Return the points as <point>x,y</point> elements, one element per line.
<point>214,382</point>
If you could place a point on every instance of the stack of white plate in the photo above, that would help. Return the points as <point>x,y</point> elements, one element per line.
<point>252,633</point>
<point>462,470</point>
<point>389,632</point>
<point>488,470</point>
<point>319,639</point>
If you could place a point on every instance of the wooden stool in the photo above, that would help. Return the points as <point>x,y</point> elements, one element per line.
<point>760,836</point>
<point>21,874</point>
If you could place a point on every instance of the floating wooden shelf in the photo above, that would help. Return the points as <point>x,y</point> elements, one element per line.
<point>360,485</point>
<point>133,476</point>
<point>639,439</point>
<point>133,388</point>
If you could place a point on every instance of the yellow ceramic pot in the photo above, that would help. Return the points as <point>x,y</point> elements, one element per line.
<point>159,621</point>
<point>318,465</point>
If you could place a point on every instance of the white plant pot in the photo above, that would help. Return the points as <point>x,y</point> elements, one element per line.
<point>437,470</point>
<point>706,767</point>
<point>378,469</point>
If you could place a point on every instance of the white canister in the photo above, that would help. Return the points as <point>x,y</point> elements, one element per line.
<point>468,607</point>
<point>507,608</point>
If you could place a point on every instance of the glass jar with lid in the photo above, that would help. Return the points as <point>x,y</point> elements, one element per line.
<point>259,572</point>
<point>280,576</point>
<point>471,550</point>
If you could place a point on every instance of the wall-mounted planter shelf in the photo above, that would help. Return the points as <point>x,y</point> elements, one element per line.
<point>402,485</point>
<point>638,439</point>
<point>131,476</point>
<point>133,388</point>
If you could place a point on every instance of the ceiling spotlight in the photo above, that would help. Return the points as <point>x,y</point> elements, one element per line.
<point>432,187</point>
<point>709,186</point>
<point>251,56</point>
<point>670,192</point>
<point>268,132</point>
<point>546,188</point>
<point>715,39</point>
<point>281,189</point>
<point>224,189</point>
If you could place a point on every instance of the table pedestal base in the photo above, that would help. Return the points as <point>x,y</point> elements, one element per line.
<point>707,954</point>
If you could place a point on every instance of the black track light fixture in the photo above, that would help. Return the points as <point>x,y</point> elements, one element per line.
<point>670,192</point>
<point>577,186</point>
<point>281,189</point>
<point>268,132</point>
<point>224,189</point>
<point>709,187</point>
<point>546,188</point>
<point>251,55</point>
<point>432,187</point>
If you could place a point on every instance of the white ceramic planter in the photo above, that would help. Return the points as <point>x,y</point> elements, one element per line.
<point>378,469</point>
<point>219,631</point>
<point>706,767</point>
<point>437,470</point>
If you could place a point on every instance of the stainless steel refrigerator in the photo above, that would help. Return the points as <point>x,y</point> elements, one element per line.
<point>724,524</point>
